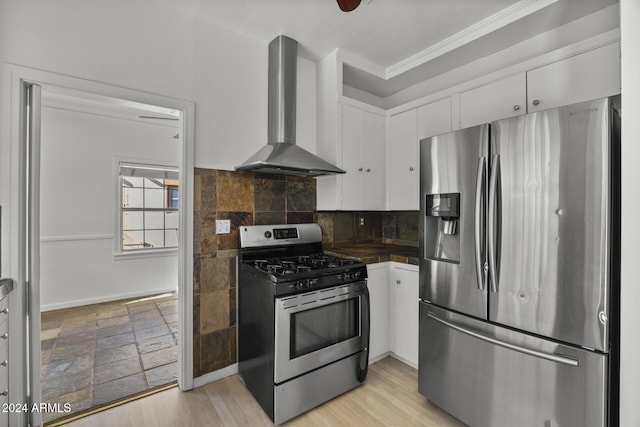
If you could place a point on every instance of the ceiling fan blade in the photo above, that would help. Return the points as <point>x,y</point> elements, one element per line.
<point>348,5</point>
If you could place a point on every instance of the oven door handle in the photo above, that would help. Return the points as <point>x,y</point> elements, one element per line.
<point>363,364</point>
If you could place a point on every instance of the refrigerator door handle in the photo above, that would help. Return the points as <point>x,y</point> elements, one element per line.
<point>493,202</point>
<point>535,353</point>
<point>479,222</point>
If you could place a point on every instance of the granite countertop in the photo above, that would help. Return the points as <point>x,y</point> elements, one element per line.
<point>374,253</point>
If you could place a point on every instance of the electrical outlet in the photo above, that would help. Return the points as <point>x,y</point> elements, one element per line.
<point>361,220</point>
<point>223,226</point>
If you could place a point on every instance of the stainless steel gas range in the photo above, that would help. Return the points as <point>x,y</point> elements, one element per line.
<point>303,319</point>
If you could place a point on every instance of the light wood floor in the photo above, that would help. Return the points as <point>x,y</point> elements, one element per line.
<point>389,398</point>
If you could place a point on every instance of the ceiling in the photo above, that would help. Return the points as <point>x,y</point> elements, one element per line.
<point>395,40</point>
<point>391,44</point>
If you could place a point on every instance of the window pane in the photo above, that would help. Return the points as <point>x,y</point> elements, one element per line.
<point>154,220</point>
<point>154,198</point>
<point>171,219</point>
<point>135,182</point>
<point>132,221</point>
<point>171,238</point>
<point>173,198</point>
<point>152,183</point>
<point>148,192</point>
<point>132,198</point>
<point>132,240</point>
<point>154,238</point>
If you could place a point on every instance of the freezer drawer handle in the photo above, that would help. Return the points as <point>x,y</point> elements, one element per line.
<point>552,357</point>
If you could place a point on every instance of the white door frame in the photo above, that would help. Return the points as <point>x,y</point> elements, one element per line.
<point>13,192</point>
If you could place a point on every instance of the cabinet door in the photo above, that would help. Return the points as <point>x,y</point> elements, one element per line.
<point>434,118</point>
<point>589,75</point>
<point>374,162</point>
<point>378,284</point>
<point>352,160</point>
<point>404,288</point>
<point>497,100</point>
<point>403,161</point>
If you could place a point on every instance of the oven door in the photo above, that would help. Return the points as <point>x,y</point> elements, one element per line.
<point>316,328</point>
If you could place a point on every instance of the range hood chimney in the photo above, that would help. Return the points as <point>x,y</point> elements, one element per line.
<point>281,155</point>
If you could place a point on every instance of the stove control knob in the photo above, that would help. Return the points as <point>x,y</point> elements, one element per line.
<point>347,276</point>
<point>267,234</point>
<point>308,284</point>
<point>298,285</point>
<point>357,275</point>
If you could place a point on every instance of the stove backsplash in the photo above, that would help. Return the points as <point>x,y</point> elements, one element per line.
<point>244,198</point>
<point>340,228</point>
<point>248,198</point>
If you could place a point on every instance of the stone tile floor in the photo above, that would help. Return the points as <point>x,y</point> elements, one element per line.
<point>100,353</point>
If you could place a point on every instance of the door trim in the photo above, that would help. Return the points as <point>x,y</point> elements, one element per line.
<point>13,190</point>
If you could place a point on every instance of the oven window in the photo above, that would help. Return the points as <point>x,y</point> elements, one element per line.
<point>324,326</point>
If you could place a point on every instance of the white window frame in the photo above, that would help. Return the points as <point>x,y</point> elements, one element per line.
<point>119,253</point>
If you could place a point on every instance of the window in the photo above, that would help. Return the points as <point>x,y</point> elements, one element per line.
<point>149,197</point>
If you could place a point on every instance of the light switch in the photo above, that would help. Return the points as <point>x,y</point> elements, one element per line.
<point>223,226</point>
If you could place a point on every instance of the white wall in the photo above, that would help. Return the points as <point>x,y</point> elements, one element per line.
<point>78,218</point>
<point>165,48</point>
<point>630,274</point>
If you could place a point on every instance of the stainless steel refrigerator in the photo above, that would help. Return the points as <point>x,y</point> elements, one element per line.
<point>519,236</point>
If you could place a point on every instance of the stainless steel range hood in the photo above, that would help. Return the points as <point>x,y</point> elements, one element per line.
<point>281,155</point>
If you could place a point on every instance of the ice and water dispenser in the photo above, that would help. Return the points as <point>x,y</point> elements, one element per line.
<point>442,234</point>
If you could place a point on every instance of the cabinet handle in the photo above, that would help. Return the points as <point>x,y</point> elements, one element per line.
<point>4,363</point>
<point>398,281</point>
<point>516,107</point>
<point>359,169</point>
<point>4,336</point>
<point>536,101</point>
<point>368,169</point>
<point>5,311</point>
<point>411,168</point>
<point>5,393</point>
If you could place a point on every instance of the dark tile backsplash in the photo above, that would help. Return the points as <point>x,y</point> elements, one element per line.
<point>351,228</point>
<point>244,199</point>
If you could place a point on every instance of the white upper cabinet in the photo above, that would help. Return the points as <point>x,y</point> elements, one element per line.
<point>403,176</point>
<point>589,75</point>
<point>406,129</point>
<point>434,118</point>
<point>363,157</point>
<point>501,99</point>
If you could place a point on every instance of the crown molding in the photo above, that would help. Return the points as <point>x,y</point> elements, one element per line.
<point>488,25</point>
<point>482,28</point>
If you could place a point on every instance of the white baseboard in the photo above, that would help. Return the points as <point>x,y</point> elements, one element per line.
<point>215,375</point>
<point>379,357</point>
<point>403,360</point>
<point>106,298</point>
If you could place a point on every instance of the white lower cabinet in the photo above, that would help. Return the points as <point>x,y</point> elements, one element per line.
<point>404,312</point>
<point>378,284</point>
<point>393,294</point>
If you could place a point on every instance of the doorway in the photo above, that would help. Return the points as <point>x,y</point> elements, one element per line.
<point>14,192</point>
<point>109,207</point>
